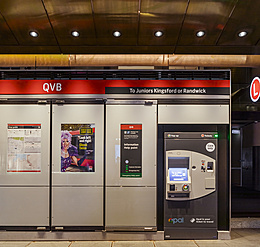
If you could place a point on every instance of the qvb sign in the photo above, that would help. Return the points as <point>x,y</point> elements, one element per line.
<point>255,89</point>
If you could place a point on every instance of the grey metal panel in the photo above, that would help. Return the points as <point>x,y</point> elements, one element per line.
<point>25,114</point>
<point>77,206</point>
<point>131,114</point>
<point>80,236</point>
<point>193,114</point>
<point>130,206</point>
<point>24,206</point>
<point>78,114</point>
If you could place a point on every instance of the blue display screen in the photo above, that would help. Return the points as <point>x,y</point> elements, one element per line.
<point>178,174</point>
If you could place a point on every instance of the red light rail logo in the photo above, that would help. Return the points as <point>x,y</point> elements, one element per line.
<point>255,89</point>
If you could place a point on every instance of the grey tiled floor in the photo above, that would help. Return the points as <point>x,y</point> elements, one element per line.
<point>239,237</point>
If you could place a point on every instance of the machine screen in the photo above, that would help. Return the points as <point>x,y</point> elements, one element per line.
<point>178,174</point>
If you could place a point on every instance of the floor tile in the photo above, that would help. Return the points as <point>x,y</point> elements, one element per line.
<point>133,244</point>
<point>242,243</point>
<point>91,244</point>
<point>175,243</point>
<point>211,243</point>
<point>249,234</point>
<point>14,244</point>
<point>50,244</point>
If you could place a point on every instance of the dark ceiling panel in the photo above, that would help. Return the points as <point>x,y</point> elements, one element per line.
<point>116,6</point>
<point>29,49</point>
<point>116,15</point>
<point>6,36</point>
<point>137,20</point>
<point>210,16</point>
<point>107,24</point>
<point>24,16</point>
<point>67,16</point>
<point>246,16</point>
<point>166,16</point>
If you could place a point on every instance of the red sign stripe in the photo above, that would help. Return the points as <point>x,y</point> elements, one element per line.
<point>96,86</point>
<point>131,126</point>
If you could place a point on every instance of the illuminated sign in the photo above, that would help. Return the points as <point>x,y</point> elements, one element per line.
<point>255,89</point>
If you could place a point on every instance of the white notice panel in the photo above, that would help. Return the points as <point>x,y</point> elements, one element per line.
<point>25,144</point>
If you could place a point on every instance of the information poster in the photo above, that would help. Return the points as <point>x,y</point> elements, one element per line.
<point>77,147</point>
<point>131,150</point>
<point>24,147</point>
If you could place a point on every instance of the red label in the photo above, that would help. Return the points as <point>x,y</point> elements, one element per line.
<point>255,89</point>
<point>131,126</point>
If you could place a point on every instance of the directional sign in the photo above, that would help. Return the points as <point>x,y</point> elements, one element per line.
<point>255,89</point>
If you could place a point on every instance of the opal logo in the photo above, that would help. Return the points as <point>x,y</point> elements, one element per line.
<point>176,220</point>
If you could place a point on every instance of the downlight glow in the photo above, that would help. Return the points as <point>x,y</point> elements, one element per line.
<point>200,34</point>
<point>242,34</point>
<point>75,33</point>
<point>117,34</point>
<point>158,34</point>
<point>34,34</point>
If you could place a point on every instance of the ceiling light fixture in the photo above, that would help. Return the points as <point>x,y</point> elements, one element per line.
<point>75,33</point>
<point>242,34</point>
<point>200,34</point>
<point>117,34</point>
<point>158,34</point>
<point>34,34</point>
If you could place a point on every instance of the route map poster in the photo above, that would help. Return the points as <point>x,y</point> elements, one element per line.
<point>24,147</point>
<point>77,147</point>
<point>131,151</point>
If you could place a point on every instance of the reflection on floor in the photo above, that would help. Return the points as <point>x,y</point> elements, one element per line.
<point>239,237</point>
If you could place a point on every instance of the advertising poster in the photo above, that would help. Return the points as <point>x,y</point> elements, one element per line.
<point>24,147</point>
<point>131,150</point>
<point>77,147</point>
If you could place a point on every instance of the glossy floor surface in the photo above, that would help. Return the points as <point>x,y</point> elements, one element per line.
<point>239,237</point>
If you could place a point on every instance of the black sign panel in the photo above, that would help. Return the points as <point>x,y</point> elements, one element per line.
<point>131,150</point>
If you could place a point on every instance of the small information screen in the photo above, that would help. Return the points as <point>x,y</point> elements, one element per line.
<point>131,150</point>
<point>178,174</point>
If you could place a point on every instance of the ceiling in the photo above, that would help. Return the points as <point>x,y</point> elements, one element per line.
<point>137,20</point>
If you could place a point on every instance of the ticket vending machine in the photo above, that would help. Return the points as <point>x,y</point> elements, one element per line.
<point>190,208</point>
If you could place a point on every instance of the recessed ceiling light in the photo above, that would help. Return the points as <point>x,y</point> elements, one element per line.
<point>75,33</point>
<point>34,34</point>
<point>242,34</point>
<point>158,34</point>
<point>200,33</point>
<point>117,34</point>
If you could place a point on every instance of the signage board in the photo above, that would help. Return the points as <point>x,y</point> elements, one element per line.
<point>255,89</point>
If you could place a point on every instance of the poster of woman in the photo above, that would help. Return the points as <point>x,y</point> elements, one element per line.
<point>77,147</point>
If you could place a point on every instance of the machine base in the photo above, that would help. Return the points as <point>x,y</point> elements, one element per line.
<point>190,233</point>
